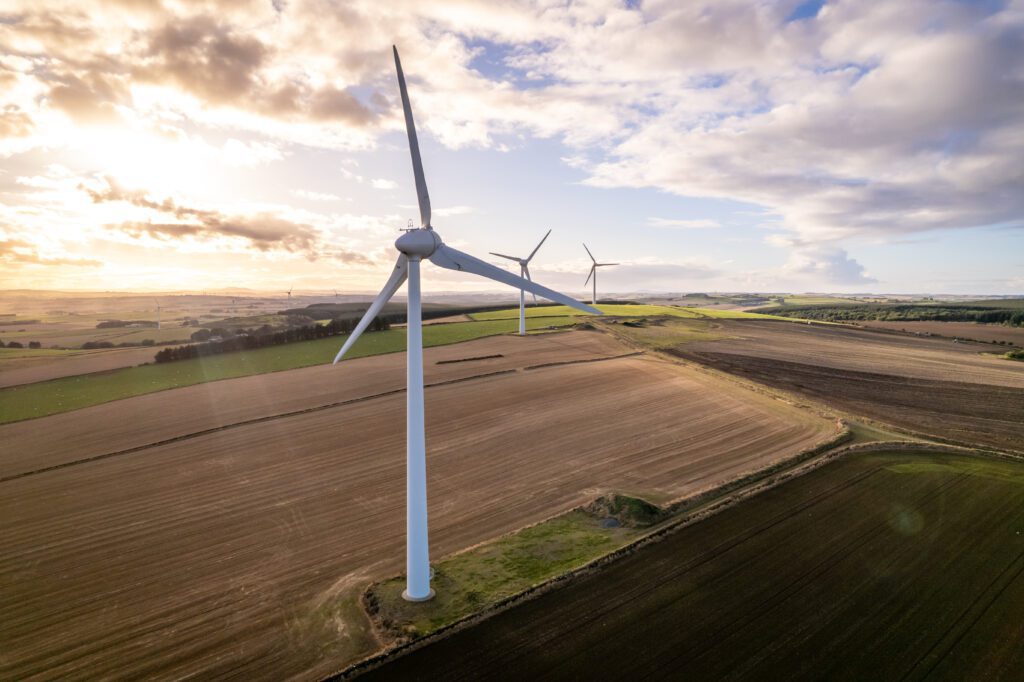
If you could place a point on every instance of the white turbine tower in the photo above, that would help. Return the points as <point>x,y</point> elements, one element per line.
<point>524,271</point>
<point>414,246</point>
<point>157,313</point>
<point>593,273</point>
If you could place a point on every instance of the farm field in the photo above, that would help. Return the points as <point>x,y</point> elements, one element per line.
<point>70,393</point>
<point>929,386</point>
<point>239,551</point>
<point>143,420</point>
<point>889,565</point>
<point>963,330</point>
<point>31,366</point>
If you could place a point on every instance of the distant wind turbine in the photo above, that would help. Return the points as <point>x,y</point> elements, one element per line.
<point>593,273</point>
<point>413,246</point>
<point>157,313</point>
<point>289,292</point>
<point>524,271</point>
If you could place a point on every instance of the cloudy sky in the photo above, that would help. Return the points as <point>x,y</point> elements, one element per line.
<point>734,145</point>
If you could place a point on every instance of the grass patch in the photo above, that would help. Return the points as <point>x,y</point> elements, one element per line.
<point>72,393</point>
<point>469,582</point>
<point>670,332</point>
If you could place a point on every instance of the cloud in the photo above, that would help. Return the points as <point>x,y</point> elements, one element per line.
<point>264,231</point>
<point>820,263</point>
<point>315,196</point>
<point>383,183</point>
<point>450,211</point>
<point>16,252</point>
<point>683,224</point>
<point>14,122</point>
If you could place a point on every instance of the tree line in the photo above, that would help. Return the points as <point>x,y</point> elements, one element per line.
<point>212,343</point>
<point>897,313</point>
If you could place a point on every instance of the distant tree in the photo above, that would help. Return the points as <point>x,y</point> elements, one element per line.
<point>34,344</point>
<point>148,342</point>
<point>201,335</point>
<point>14,344</point>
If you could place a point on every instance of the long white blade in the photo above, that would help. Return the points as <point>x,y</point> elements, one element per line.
<point>414,148</point>
<point>453,259</point>
<point>590,254</point>
<point>501,255</point>
<point>590,274</point>
<point>526,271</point>
<point>537,248</point>
<point>398,276</point>
<point>601,265</point>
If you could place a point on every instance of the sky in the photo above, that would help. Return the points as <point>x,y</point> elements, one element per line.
<point>733,145</point>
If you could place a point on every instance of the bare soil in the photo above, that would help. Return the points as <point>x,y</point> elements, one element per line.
<point>228,554</point>
<point>963,330</point>
<point>31,370</point>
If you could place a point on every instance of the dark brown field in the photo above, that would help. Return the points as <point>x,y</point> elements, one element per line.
<point>236,553</point>
<point>929,386</point>
<point>884,566</point>
<point>962,330</point>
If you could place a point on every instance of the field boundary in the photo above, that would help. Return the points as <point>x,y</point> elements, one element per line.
<point>581,361</point>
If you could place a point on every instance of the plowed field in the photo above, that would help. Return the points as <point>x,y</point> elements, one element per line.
<point>226,553</point>
<point>889,566</point>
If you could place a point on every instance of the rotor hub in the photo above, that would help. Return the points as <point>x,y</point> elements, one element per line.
<point>419,243</point>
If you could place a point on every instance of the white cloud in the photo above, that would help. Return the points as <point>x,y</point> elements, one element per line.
<point>316,196</point>
<point>451,210</point>
<point>383,183</point>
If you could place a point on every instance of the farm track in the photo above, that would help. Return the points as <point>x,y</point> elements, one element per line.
<point>854,570</point>
<point>224,554</point>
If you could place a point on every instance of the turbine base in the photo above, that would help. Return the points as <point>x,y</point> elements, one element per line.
<point>406,597</point>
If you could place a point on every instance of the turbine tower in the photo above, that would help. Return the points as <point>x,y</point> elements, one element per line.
<point>289,292</point>
<point>157,313</point>
<point>593,273</point>
<point>413,247</point>
<point>524,271</point>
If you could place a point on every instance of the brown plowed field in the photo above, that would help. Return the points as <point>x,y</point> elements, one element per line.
<point>123,424</point>
<point>968,413</point>
<point>963,330</point>
<point>29,371</point>
<point>222,555</point>
<point>863,350</point>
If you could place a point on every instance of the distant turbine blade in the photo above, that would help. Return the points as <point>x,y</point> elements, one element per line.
<point>414,148</point>
<point>453,259</point>
<point>537,248</point>
<point>501,255</point>
<point>398,276</point>
<point>590,274</point>
<point>526,270</point>
<point>601,265</point>
<point>590,254</point>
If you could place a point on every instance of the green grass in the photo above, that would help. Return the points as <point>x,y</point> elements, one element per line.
<point>72,393</point>
<point>670,333</point>
<point>624,310</point>
<point>468,582</point>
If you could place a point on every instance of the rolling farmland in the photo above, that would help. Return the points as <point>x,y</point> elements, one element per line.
<point>889,565</point>
<point>239,550</point>
<point>930,386</point>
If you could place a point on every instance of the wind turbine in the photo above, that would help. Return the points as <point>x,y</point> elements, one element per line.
<point>413,246</point>
<point>593,273</point>
<point>289,292</point>
<point>157,313</point>
<point>524,271</point>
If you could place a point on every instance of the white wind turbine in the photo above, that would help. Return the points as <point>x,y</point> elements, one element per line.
<point>413,246</point>
<point>157,313</point>
<point>524,271</point>
<point>593,273</point>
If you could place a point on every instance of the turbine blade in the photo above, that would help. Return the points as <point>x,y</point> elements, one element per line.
<point>453,259</point>
<point>526,270</point>
<point>600,265</point>
<point>590,274</point>
<point>590,254</point>
<point>398,276</point>
<point>414,148</point>
<point>535,250</point>
<point>501,255</point>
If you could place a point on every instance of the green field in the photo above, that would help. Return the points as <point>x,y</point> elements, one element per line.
<point>72,393</point>
<point>888,565</point>
<point>622,310</point>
